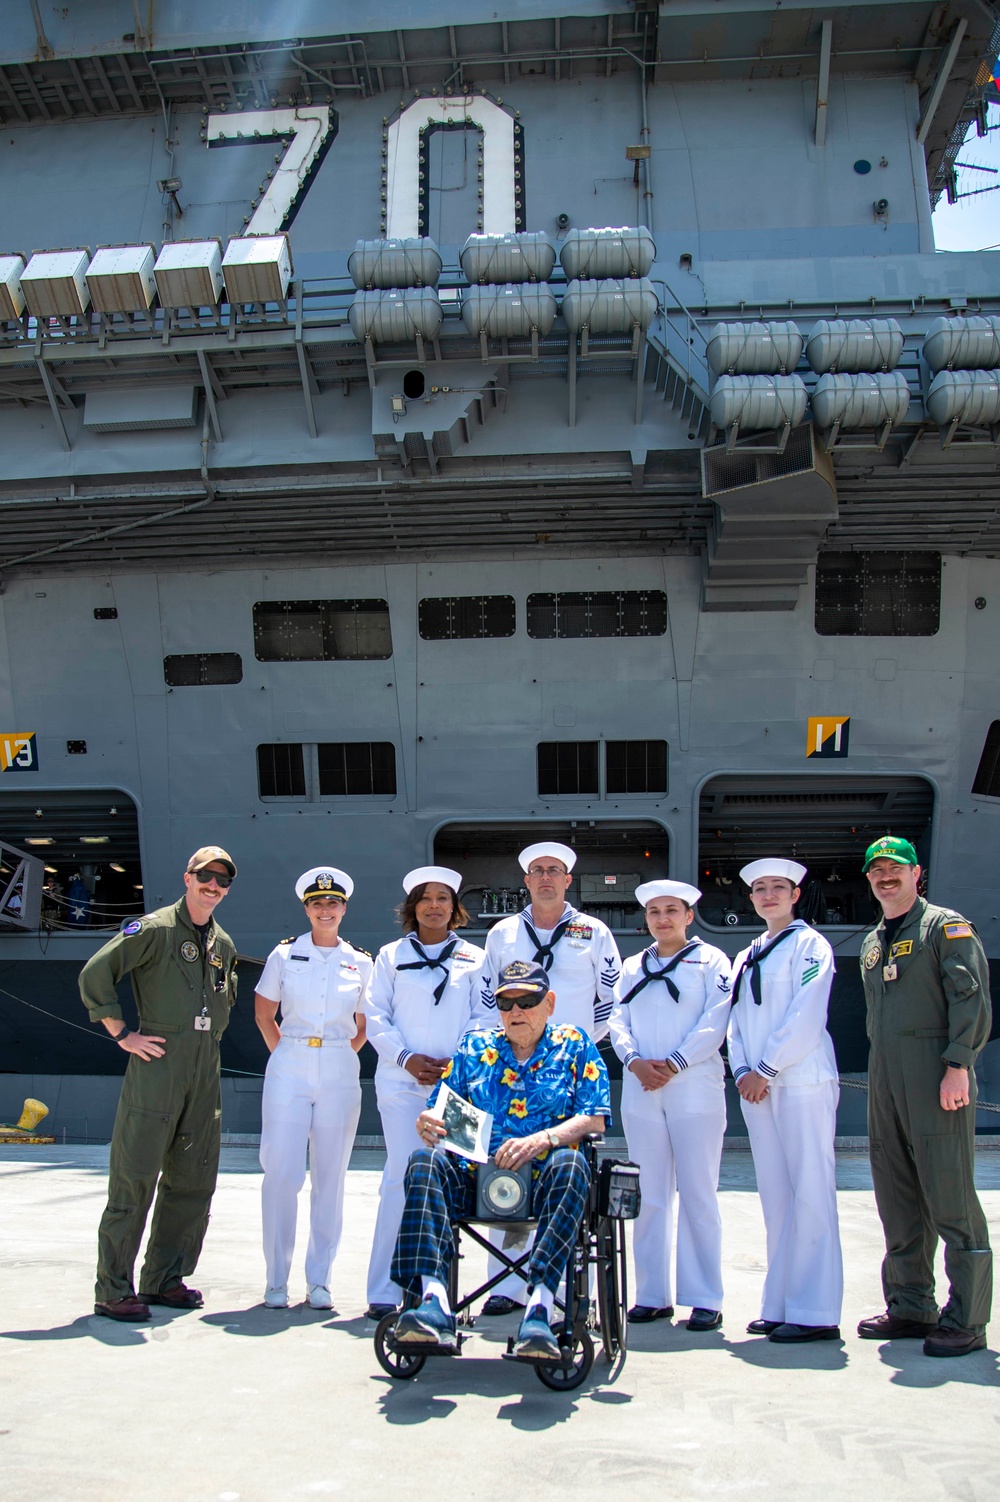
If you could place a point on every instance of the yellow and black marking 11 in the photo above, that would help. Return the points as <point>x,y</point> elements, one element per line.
<point>18,752</point>
<point>828,735</point>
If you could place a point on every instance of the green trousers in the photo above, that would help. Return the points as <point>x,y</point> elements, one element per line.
<point>168,1126</point>
<point>922,1169</point>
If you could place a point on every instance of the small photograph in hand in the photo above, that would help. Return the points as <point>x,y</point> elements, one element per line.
<point>467,1129</point>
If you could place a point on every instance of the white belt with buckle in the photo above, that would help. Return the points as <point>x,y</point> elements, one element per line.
<point>318,1042</point>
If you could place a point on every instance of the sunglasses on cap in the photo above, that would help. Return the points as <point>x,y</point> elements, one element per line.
<point>220,877</point>
<point>507,1003</point>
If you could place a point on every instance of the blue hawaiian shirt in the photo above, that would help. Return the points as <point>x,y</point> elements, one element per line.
<point>564,1077</point>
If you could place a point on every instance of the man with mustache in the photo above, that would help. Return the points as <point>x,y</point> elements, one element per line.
<point>927,989</point>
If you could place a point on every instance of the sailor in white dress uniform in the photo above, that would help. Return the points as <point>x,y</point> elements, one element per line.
<point>785,1069</point>
<point>425,995</point>
<point>312,1092</point>
<point>667,1027</point>
<point>581,958</point>
<point>578,952</point>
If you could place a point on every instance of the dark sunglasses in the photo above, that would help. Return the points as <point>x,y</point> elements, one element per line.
<point>206,876</point>
<point>508,1003</point>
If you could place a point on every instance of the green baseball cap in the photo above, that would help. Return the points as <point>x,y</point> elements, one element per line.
<point>891,848</point>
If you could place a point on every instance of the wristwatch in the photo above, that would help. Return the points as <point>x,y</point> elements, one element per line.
<point>553,1139</point>
<point>125,1032</point>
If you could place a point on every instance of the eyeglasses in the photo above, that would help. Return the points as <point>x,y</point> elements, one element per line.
<point>547,871</point>
<point>217,876</point>
<point>508,1003</point>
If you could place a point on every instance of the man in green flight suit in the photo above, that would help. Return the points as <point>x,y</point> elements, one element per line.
<point>183,969</point>
<point>927,989</point>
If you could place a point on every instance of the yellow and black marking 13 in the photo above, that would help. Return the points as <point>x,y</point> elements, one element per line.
<point>18,752</point>
<point>828,735</point>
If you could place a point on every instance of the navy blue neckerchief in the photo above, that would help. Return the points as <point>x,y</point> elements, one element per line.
<point>426,963</point>
<point>649,975</point>
<point>543,952</point>
<point>751,965</point>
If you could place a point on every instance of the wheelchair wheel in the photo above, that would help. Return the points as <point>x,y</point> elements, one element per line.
<point>576,1364</point>
<point>612,1287</point>
<point>399,1364</point>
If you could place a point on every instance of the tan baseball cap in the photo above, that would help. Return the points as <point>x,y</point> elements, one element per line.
<point>209,853</point>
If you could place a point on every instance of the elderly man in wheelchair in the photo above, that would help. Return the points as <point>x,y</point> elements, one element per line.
<point>547,1089</point>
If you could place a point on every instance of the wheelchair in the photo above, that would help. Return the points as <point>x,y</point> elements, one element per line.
<point>612,1198</point>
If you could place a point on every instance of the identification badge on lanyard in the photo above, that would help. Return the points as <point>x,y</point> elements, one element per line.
<point>889,972</point>
<point>203,1024</point>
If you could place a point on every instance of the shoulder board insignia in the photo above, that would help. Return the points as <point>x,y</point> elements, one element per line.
<point>130,928</point>
<point>957,931</point>
<point>290,940</point>
<point>358,950</point>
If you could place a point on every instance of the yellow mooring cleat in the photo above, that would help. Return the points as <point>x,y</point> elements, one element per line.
<point>32,1113</point>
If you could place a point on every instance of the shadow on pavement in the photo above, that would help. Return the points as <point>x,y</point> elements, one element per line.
<point>97,1327</point>
<point>914,1369</point>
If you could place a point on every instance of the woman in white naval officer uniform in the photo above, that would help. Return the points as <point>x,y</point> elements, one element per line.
<point>667,1027</point>
<point>312,1094</point>
<point>424,997</point>
<point>785,1069</point>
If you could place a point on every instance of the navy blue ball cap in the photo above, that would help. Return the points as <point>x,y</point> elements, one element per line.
<point>519,975</point>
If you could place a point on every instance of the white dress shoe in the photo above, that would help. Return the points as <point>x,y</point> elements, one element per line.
<point>319,1296</point>
<point>276,1298</point>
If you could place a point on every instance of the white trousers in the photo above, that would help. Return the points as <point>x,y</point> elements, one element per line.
<point>792,1133</point>
<point>399,1105</point>
<point>311,1100</point>
<point>675,1135</point>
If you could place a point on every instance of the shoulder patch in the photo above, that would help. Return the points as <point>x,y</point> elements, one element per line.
<point>130,928</point>
<point>957,931</point>
<point>872,957</point>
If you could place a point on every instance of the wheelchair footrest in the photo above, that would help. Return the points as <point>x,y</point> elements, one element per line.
<point>417,1348</point>
<point>510,1355</point>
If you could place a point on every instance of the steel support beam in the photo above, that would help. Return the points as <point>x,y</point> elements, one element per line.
<point>823,81</point>
<point>943,74</point>
<point>50,392</point>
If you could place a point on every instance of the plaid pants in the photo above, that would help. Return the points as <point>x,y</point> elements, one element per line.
<point>438,1193</point>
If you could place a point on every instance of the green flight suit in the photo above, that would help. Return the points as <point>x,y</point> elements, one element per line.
<point>169,1113</point>
<point>937,1009</point>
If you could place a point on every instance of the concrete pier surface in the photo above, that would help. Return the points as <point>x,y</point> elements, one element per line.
<point>235,1403</point>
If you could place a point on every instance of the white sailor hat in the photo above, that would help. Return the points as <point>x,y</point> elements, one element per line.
<point>547,847</point>
<point>323,881</point>
<point>422,874</point>
<point>681,889</point>
<point>773,866</point>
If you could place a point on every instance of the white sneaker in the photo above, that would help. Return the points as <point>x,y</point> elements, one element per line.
<point>319,1296</point>
<point>276,1298</point>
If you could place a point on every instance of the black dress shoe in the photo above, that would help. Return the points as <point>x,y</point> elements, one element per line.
<point>894,1327</point>
<point>705,1319</point>
<point>499,1303</point>
<point>946,1341</point>
<point>789,1334</point>
<point>644,1314</point>
<point>762,1326</point>
<point>379,1311</point>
